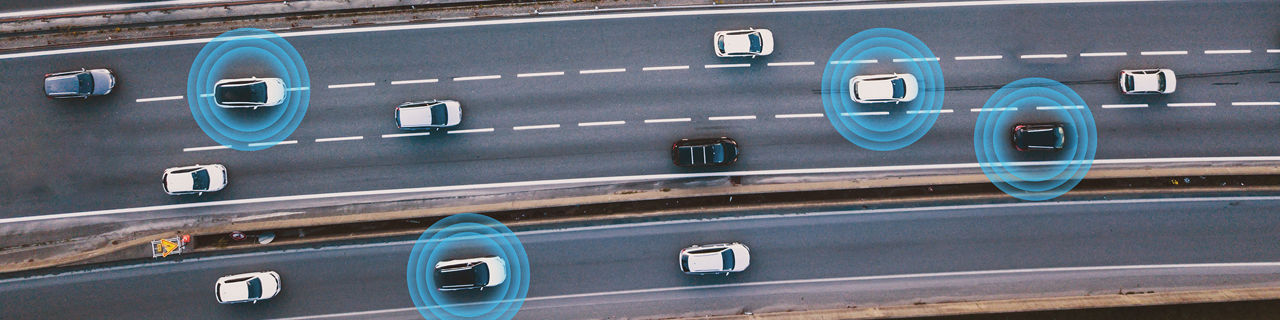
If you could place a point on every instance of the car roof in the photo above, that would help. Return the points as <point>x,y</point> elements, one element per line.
<point>416,115</point>
<point>737,43</point>
<point>1146,82</point>
<point>710,261</point>
<point>877,89</point>
<point>234,290</point>
<point>180,182</point>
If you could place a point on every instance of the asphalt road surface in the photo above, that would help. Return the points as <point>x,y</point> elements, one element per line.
<point>107,153</point>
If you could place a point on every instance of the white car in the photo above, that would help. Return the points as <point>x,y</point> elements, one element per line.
<point>883,88</point>
<point>247,287</point>
<point>434,114</point>
<point>196,179</point>
<point>473,273</point>
<point>743,43</point>
<point>249,93</point>
<point>721,258</point>
<point>1149,81</point>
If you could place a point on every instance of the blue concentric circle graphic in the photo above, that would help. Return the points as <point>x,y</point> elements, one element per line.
<point>882,126</point>
<point>1035,175</point>
<point>465,236</point>
<point>246,53</point>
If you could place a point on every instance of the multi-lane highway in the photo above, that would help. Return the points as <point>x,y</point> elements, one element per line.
<point>598,103</point>
<point>799,259</point>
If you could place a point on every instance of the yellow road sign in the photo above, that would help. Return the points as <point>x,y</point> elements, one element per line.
<point>167,247</point>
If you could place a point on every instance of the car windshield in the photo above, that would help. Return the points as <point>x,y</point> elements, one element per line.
<point>439,115</point>
<point>727,255</point>
<point>238,93</point>
<point>714,153</point>
<point>899,88</point>
<point>756,44</point>
<point>200,180</point>
<point>255,288</point>
<point>86,82</point>
<point>1128,82</point>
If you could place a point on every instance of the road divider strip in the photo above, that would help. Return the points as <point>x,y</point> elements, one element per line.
<point>1043,56</point>
<point>471,78</point>
<point>662,68</point>
<point>722,118</point>
<point>470,131</point>
<point>731,65</point>
<point>1192,104</point>
<point>540,74</point>
<point>601,123</point>
<point>964,58</point>
<point>1104,54</point>
<point>799,115</point>
<point>351,85</point>
<point>263,144</point>
<point>1124,106</point>
<point>1227,51</point>
<point>668,120</point>
<point>340,139</point>
<point>541,126</point>
<point>1163,53</point>
<point>791,64</point>
<point>159,99</point>
<point>1255,103</point>
<point>402,135</point>
<point>400,82</point>
<point>595,71</point>
<point>205,148</point>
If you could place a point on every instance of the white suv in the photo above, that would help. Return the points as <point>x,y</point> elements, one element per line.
<point>1149,81</point>
<point>247,287</point>
<point>196,179</point>
<point>722,258</point>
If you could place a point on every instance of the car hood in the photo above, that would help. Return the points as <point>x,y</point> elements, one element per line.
<point>103,81</point>
<point>455,112</point>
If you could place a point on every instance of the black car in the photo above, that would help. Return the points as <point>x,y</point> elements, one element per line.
<point>79,84</point>
<point>474,273</point>
<point>1039,137</point>
<point>709,152</point>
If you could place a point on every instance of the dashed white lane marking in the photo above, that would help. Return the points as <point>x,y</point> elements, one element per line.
<point>594,71</point>
<point>1273,50</point>
<point>668,120</point>
<point>298,89</point>
<point>1227,51</point>
<point>1163,53</point>
<point>601,123</point>
<point>541,126</point>
<point>205,148</point>
<point>799,115</point>
<point>159,99</point>
<point>1043,56</point>
<point>1104,54</point>
<point>930,111</point>
<point>791,64</point>
<point>859,114</point>
<point>340,139</point>
<point>1256,103</point>
<point>540,74</point>
<point>471,131</point>
<point>1192,104</point>
<point>399,82</point>
<point>262,144</point>
<point>750,117</point>
<point>664,68</point>
<point>731,65</point>
<point>351,85</point>
<point>915,59</point>
<point>401,135</point>
<point>993,109</point>
<point>470,78</point>
<point>205,95</point>
<point>1124,106</point>
<point>854,61</point>
<point>1059,107</point>
<point>962,58</point>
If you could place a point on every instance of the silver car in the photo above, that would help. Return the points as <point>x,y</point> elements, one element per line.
<point>79,84</point>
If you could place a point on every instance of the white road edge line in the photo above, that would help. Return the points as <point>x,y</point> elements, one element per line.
<point>791,64</point>
<point>1124,106</point>
<point>351,85</point>
<point>159,99</point>
<point>601,123</point>
<point>108,7</point>
<point>340,139</point>
<point>399,82</point>
<point>470,78</point>
<point>470,131</point>
<point>541,126</point>
<point>730,65</point>
<point>1163,53</point>
<point>1255,103</point>
<point>265,216</point>
<point>401,135</point>
<point>1227,51</point>
<point>1043,56</point>
<point>206,148</point>
<point>799,115</point>
<point>540,74</point>
<point>1192,104</point>
<point>963,58</point>
<point>664,68</point>
<point>594,71</point>
<point>263,144</point>
<point>1103,54</point>
<point>668,120</point>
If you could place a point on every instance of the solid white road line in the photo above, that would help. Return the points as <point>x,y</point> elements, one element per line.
<point>470,131</point>
<point>401,135</point>
<point>664,68</point>
<point>601,123</point>
<point>351,85</point>
<point>1124,106</point>
<point>962,58</point>
<point>265,216</point>
<point>791,64</point>
<point>1059,107</point>
<point>853,279</point>
<point>1043,56</point>
<point>110,7</point>
<point>799,115</point>
<point>732,65</point>
<point>1227,51</point>
<point>930,111</point>
<point>159,99</point>
<point>263,144</point>
<point>594,71</point>
<point>1256,103</point>
<point>399,82</point>
<point>993,109</point>
<point>854,61</point>
<point>750,117</point>
<point>205,148</point>
<point>859,114</point>
<point>540,74</point>
<point>541,126</point>
<point>1103,54</point>
<point>470,78</point>
<point>915,59</point>
<point>1162,53</point>
<point>340,139</point>
<point>611,179</point>
<point>668,120</point>
<point>1192,104</point>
